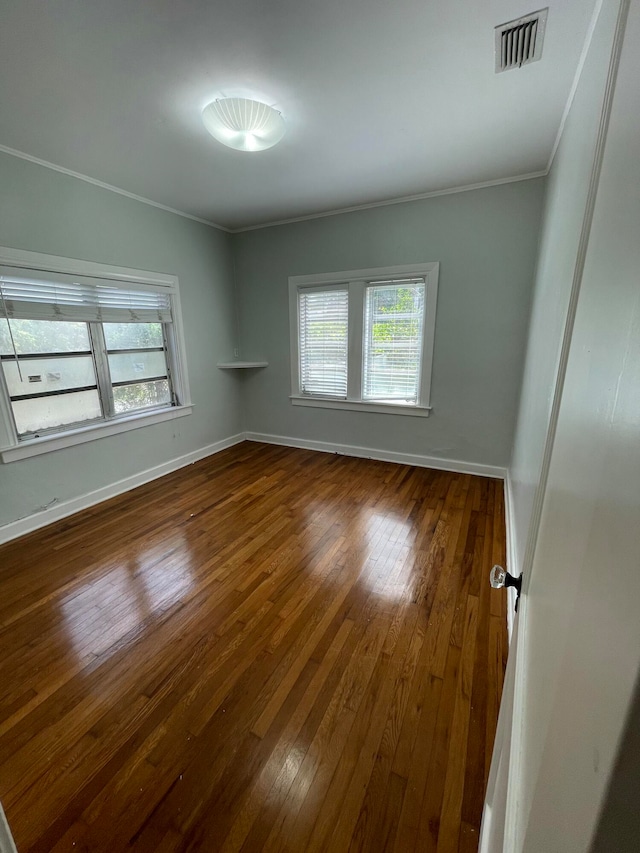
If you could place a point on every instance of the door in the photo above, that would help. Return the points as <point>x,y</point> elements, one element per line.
<point>571,676</point>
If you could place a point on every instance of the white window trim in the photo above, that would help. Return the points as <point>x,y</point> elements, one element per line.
<point>356,280</point>
<point>71,437</point>
<point>360,406</point>
<point>177,356</point>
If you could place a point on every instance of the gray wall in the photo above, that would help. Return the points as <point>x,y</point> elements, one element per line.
<point>45,211</point>
<point>566,196</point>
<point>486,243</point>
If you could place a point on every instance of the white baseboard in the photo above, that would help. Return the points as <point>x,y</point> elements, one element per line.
<point>512,554</point>
<point>62,510</point>
<point>457,466</point>
<point>41,519</point>
<point>7,844</point>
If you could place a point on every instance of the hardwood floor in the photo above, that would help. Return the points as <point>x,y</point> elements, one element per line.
<point>270,650</point>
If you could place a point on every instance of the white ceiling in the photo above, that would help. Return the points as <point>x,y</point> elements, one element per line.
<point>382,98</point>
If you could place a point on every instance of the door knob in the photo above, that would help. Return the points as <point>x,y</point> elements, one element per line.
<point>500,577</point>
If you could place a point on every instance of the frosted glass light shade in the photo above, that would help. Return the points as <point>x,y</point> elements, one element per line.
<point>243,124</point>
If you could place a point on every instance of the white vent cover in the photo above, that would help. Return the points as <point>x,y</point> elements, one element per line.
<point>519,42</point>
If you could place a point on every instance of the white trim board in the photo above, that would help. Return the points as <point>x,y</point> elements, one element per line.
<point>62,510</point>
<point>454,465</point>
<point>77,266</point>
<point>512,559</point>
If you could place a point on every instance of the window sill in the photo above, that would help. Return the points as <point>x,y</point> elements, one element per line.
<point>49,443</point>
<point>361,406</point>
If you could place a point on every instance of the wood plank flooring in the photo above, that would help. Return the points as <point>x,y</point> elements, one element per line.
<point>270,650</point>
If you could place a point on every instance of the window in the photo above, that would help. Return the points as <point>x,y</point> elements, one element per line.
<point>85,353</point>
<point>137,363</point>
<point>364,339</point>
<point>323,342</point>
<point>50,374</point>
<point>393,341</point>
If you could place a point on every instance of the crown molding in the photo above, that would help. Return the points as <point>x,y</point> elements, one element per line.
<point>13,152</point>
<point>528,176</point>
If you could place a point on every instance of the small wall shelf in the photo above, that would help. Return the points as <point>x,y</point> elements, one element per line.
<point>235,365</point>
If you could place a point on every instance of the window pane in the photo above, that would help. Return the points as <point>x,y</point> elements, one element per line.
<point>142,395</point>
<point>394,316</point>
<point>132,335</point>
<point>48,412</point>
<point>323,324</point>
<point>49,374</point>
<point>34,336</point>
<point>132,366</point>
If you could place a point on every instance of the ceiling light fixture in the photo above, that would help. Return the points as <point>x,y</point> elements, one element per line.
<point>243,124</point>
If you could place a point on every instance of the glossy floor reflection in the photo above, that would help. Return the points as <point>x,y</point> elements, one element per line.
<point>272,649</point>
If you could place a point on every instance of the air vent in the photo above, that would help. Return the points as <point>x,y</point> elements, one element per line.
<point>519,42</point>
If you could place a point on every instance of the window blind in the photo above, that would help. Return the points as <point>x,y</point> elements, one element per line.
<point>323,324</point>
<point>54,297</point>
<point>393,336</point>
